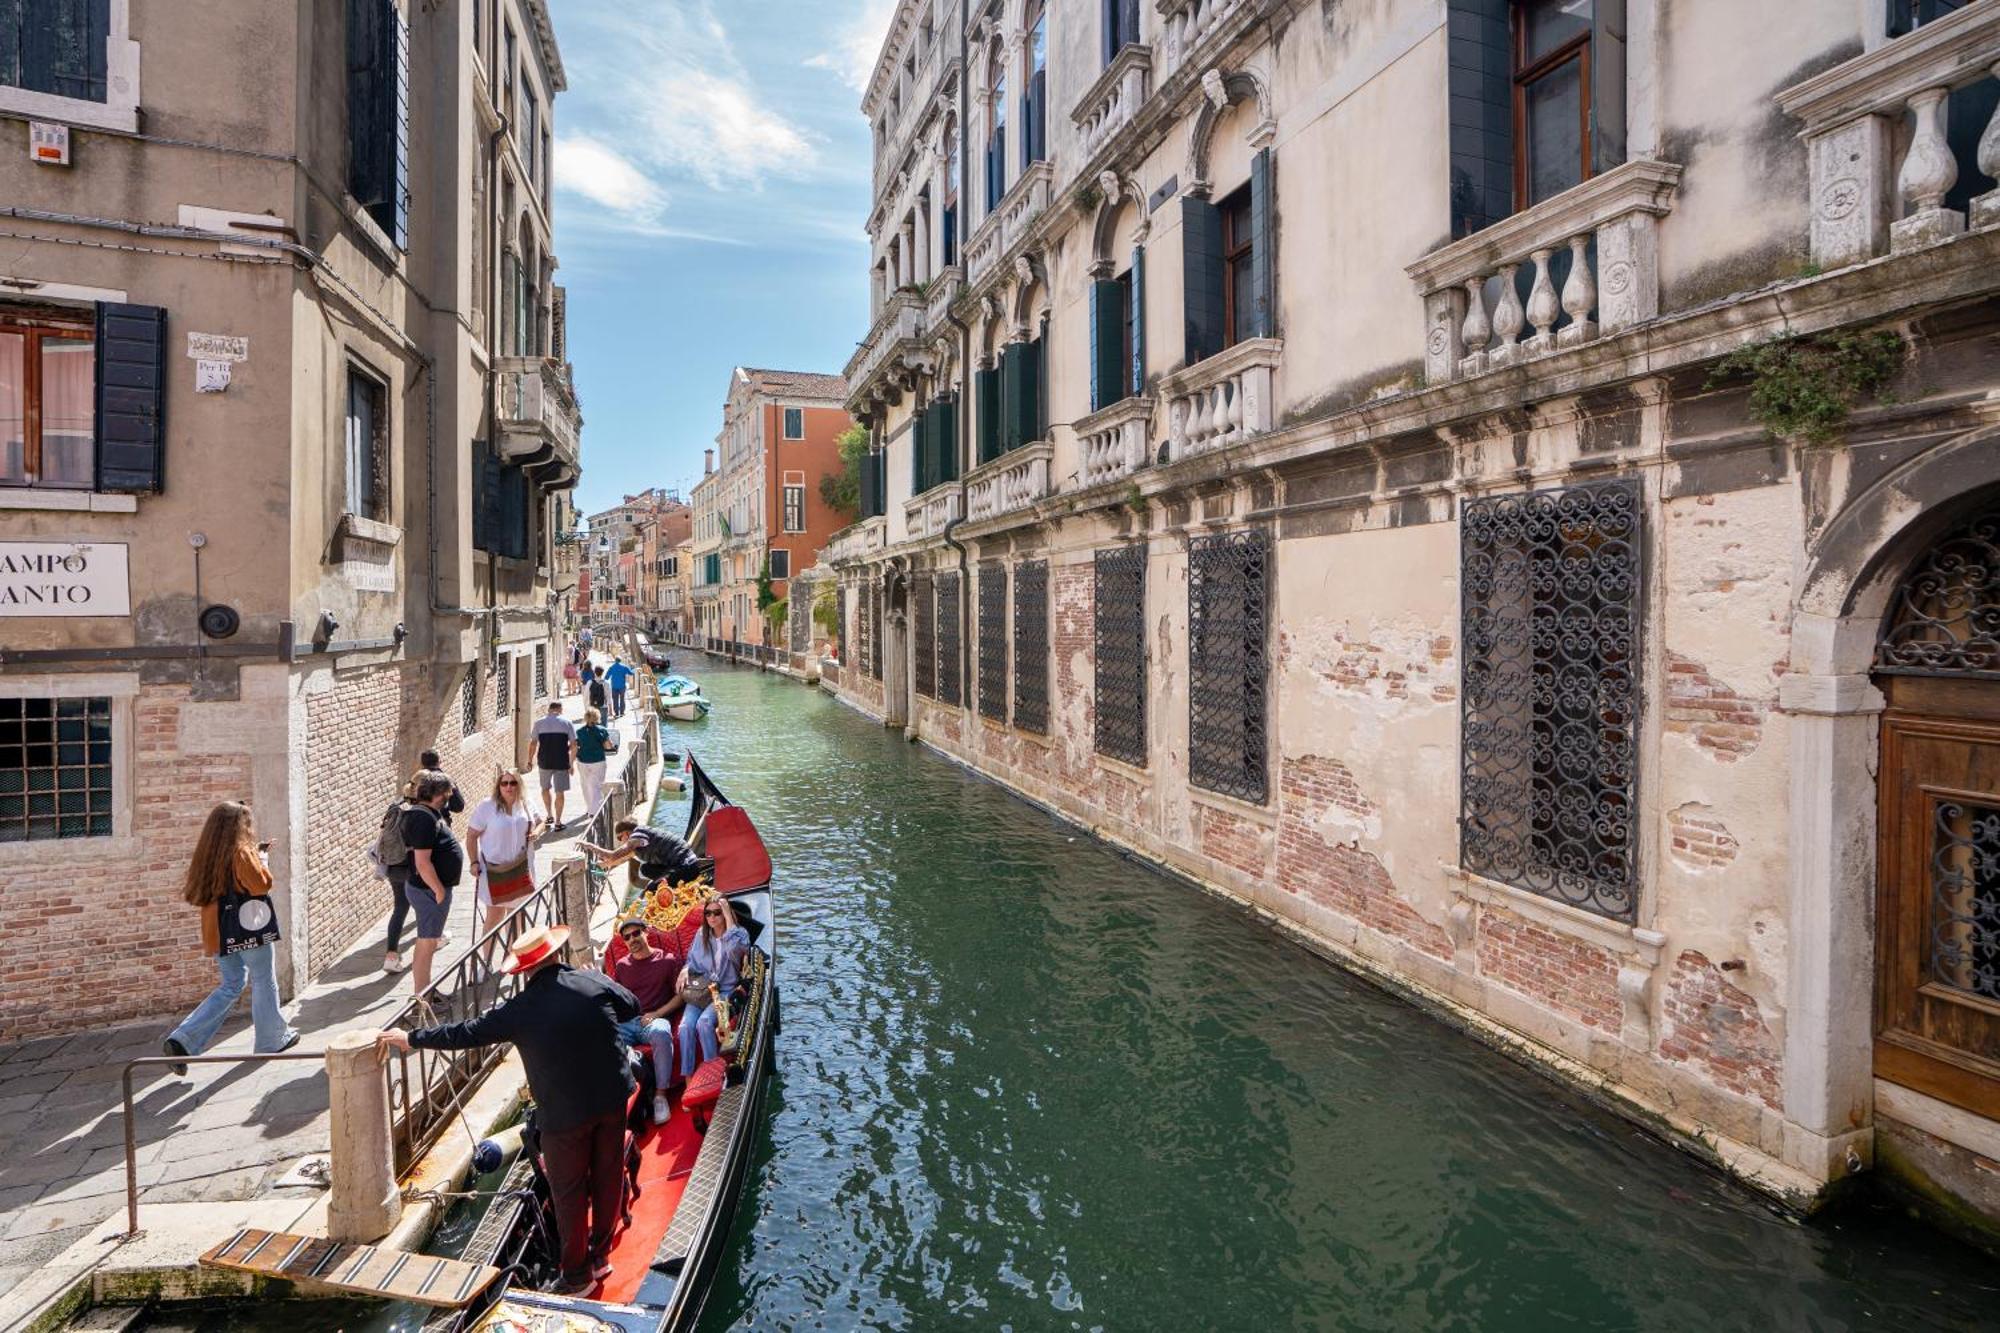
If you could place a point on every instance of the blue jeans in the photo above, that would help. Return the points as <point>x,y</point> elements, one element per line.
<point>259,967</point>
<point>697,1030</point>
<point>617,703</point>
<point>659,1035</point>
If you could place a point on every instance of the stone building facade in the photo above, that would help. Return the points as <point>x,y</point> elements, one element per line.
<point>1507,489</point>
<point>286,399</point>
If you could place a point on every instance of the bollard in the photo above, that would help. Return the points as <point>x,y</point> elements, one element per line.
<point>575,890</point>
<point>365,1202</point>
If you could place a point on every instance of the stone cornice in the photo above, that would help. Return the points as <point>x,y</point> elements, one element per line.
<point>1941,54</point>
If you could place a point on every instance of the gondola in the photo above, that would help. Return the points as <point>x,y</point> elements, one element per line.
<point>683,1178</point>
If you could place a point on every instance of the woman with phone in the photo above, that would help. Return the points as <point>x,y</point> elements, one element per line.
<point>229,880</point>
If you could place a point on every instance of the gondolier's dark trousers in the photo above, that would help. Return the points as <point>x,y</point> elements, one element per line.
<point>586,1170</point>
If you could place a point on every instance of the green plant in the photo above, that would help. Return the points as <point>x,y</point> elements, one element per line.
<point>776,613</point>
<point>825,610</point>
<point>842,490</point>
<point>1802,387</point>
<point>766,595</point>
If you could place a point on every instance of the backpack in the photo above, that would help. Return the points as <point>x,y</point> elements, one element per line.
<point>389,848</point>
<point>597,693</point>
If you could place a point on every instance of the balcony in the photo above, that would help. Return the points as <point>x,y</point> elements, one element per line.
<point>1011,482</point>
<point>1223,400</point>
<point>1114,442</point>
<point>1851,115</point>
<point>1006,226</point>
<point>927,514</point>
<point>539,422</point>
<point>1188,24</point>
<point>1109,104</point>
<point>897,335</point>
<point>939,292</point>
<point>1589,258</point>
<point>857,541</point>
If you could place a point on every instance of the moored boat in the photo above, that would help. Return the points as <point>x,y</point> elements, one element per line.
<point>681,699</point>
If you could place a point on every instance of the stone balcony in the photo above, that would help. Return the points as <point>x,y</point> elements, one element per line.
<point>1864,202</point>
<point>1109,104</point>
<point>1187,25</point>
<point>939,292</point>
<point>1588,258</point>
<point>539,422</point>
<point>926,515</point>
<point>857,541</point>
<point>1011,482</point>
<point>896,336</point>
<point>1224,399</point>
<point>1004,227</point>
<point>1114,442</point>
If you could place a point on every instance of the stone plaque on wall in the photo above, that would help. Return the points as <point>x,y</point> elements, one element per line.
<point>64,579</point>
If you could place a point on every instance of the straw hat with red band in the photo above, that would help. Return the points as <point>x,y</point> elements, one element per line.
<point>535,948</point>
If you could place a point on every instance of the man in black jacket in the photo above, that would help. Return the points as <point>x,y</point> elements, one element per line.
<point>565,1023</point>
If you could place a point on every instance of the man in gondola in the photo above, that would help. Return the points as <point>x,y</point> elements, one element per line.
<point>660,854</point>
<point>566,1024</point>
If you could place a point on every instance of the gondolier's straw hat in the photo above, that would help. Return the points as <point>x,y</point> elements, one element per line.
<point>535,948</point>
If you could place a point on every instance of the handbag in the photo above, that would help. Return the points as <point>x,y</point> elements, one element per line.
<point>610,741</point>
<point>510,882</point>
<point>245,921</point>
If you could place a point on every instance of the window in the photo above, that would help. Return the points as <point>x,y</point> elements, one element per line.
<point>48,410</point>
<point>1115,372</point>
<point>57,47</point>
<point>530,138</point>
<point>671,566</point>
<point>924,611</point>
<point>1226,256</point>
<point>996,136</point>
<point>1228,599</point>
<point>795,423</point>
<point>1238,299</point>
<point>1551,97</point>
<point>541,670</point>
<point>479,29</point>
<point>468,699</point>
<point>993,641</point>
<point>1549,716</point>
<point>1121,27</point>
<point>1119,640</point>
<point>795,508</point>
<point>1035,100</point>
<point>378,114</point>
<point>1909,15</point>
<point>781,563</point>
<point>503,686</point>
<point>951,667</point>
<point>509,57</point>
<point>367,465</point>
<point>1031,646</point>
<point>55,769</point>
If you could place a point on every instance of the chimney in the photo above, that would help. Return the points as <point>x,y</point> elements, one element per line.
<point>707,461</point>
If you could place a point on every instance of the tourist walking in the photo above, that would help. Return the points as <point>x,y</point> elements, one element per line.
<point>618,677</point>
<point>555,756</point>
<point>565,1023</point>
<point>712,962</point>
<point>229,879</point>
<point>595,692</point>
<point>595,743</point>
<point>428,762</point>
<point>500,843</point>
<point>436,863</point>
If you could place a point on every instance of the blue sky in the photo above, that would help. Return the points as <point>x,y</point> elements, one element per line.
<point>712,184</point>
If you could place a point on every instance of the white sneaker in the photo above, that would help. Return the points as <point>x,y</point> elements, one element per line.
<point>395,963</point>
<point>444,940</point>
<point>660,1108</point>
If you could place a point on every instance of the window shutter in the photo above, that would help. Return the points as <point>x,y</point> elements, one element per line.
<point>364,131</point>
<point>1263,248</point>
<point>514,501</point>
<point>1107,343</point>
<point>1038,378</point>
<point>1012,371</point>
<point>917,454</point>
<point>1201,278</point>
<point>1138,381</point>
<point>131,398</point>
<point>1607,85</point>
<point>986,392</point>
<point>947,438</point>
<point>397,144</point>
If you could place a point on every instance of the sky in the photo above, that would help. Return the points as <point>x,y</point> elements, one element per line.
<point>712,185</point>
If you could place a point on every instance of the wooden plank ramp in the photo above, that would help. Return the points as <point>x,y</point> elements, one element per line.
<point>363,1270</point>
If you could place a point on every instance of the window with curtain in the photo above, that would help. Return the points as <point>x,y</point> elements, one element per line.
<point>58,47</point>
<point>48,407</point>
<point>366,491</point>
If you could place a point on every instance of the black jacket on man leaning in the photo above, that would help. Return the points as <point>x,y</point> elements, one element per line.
<point>565,1025</point>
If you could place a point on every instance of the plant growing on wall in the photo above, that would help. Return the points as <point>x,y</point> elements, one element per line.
<point>826,611</point>
<point>842,490</point>
<point>1802,387</point>
<point>766,595</point>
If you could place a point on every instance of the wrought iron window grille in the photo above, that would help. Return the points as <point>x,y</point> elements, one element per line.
<point>924,608</point>
<point>1228,664</point>
<point>840,623</point>
<point>55,768</point>
<point>993,640</point>
<point>951,665</point>
<point>875,621</point>
<point>503,686</point>
<point>541,670</point>
<point>1944,619</point>
<point>1965,897</point>
<point>1031,646</point>
<point>468,700</point>
<point>1119,625</point>
<point>1551,618</point>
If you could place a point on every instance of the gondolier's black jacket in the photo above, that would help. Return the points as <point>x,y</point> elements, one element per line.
<point>565,1025</point>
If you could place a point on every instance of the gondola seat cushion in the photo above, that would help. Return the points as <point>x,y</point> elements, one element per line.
<point>706,1084</point>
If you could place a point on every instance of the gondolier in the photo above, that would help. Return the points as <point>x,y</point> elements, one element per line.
<point>565,1023</point>
<point>660,854</point>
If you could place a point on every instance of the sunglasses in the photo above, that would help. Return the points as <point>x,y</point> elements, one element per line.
<point>510,783</point>
<point>713,911</point>
<point>629,935</point>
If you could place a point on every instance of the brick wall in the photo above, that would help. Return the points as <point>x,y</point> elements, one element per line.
<point>1714,1026</point>
<point>1318,795</point>
<point>1237,841</point>
<point>1721,722</point>
<point>1697,840</point>
<point>1566,975</point>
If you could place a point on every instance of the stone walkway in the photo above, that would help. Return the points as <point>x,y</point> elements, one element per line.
<point>225,1132</point>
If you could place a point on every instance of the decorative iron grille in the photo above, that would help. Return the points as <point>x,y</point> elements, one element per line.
<point>1120,632</point>
<point>865,599</point>
<point>950,666</point>
<point>840,622</point>
<point>503,685</point>
<point>800,620</point>
<point>1965,897</point>
<point>925,611</point>
<point>1945,616</point>
<point>1228,601</point>
<point>1549,757</point>
<point>541,670</point>
<point>1031,646</point>
<point>993,640</point>
<point>875,622</point>
<point>468,699</point>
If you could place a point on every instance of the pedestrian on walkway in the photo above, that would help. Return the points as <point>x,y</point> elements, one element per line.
<point>618,677</point>
<point>555,755</point>
<point>565,1023</point>
<point>229,879</point>
<point>594,745</point>
<point>428,762</point>
<point>595,693</point>
<point>500,843</point>
<point>436,863</point>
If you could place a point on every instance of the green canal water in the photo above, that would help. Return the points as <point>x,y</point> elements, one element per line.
<point>1026,1083</point>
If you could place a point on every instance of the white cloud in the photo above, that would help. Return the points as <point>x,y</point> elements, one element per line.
<point>599,173</point>
<point>858,44</point>
<point>713,126</point>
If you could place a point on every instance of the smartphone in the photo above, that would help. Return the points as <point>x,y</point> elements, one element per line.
<point>264,846</point>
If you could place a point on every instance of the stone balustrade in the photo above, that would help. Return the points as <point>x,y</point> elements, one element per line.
<point>1114,442</point>
<point>927,514</point>
<point>939,293</point>
<point>900,325</point>
<point>1224,399</point>
<point>1110,102</point>
<point>1187,23</point>
<point>982,248</point>
<point>1572,268</point>
<point>856,541</point>
<point>1005,226</point>
<point>1865,202</point>
<point>537,409</point>
<point>1013,481</point>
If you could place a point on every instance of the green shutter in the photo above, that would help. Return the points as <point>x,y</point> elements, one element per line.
<point>1107,339</point>
<point>1263,250</point>
<point>1010,396</point>
<point>1138,375</point>
<point>916,433</point>
<point>947,437</point>
<point>986,388</point>
<point>1201,278</point>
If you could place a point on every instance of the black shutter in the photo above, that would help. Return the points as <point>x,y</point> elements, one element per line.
<point>917,454</point>
<point>1107,343</point>
<point>1012,364</point>
<point>1263,247</point>
<point>986,392</point>
<point>1201,278</point>
<point>514,512</point>
<point>1138,381</point>
<point>1038,379</point>
<point>1607,85</point>
<point>485,515</point>
<point>131,398</point>
<point>366,131</point>
<point>946,432</point>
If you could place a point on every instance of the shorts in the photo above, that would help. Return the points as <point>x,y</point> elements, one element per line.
<point>429,911</point>
<point>554,779</point>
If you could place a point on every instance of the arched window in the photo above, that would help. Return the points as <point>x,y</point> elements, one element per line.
<point>1945,616</point>
<point>996,126</point>
<point>1035,97</point>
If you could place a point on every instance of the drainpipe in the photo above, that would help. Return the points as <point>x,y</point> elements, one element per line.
<point>964,412</point>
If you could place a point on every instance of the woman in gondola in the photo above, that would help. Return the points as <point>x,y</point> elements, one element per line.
<point>713,960</point>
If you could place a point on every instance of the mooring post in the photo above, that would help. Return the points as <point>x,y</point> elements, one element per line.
<point>574,885</point>
<point>365,1202</point>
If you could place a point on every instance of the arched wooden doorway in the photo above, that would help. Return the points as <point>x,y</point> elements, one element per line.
<point>1937,662</point>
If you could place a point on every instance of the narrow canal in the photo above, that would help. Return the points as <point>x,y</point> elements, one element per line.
<point>1025,1083</point>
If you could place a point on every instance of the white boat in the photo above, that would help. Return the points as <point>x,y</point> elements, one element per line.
<point>681,699</point>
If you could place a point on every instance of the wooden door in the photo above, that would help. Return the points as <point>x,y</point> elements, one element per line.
<point>1937,999</point>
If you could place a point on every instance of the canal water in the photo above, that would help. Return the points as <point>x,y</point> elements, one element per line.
<point>1025,1083</point>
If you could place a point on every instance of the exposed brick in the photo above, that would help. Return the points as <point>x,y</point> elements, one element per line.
<point>1561,973</point>
<point>1235,840</point>
<point>1697,840</point>
<point>1338,874</point>
<point>1722,723</point>
<point>1718,1029</point>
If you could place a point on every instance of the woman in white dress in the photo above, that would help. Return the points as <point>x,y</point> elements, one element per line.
<point>501,844</point>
